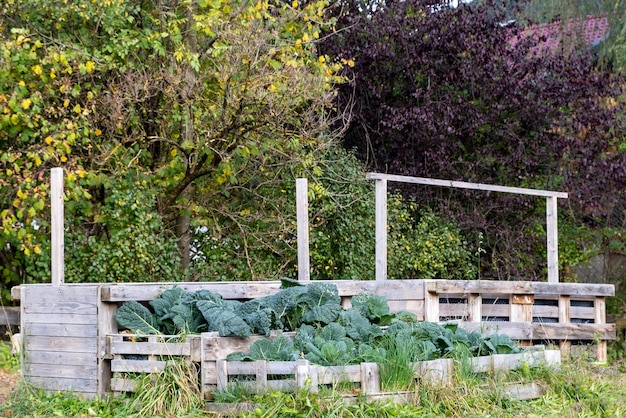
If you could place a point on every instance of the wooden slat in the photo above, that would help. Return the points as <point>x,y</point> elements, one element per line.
<point>118,384</point>
<point>524,391</point>
<point>61,371</point>
<point>302,221</point>
<point>84,385</point>
<point>328,375</point>
<point>137,366</point>
<point>465,185</point>
<point>573,331</point>
<point>67,344</point>
<point>62,330</point>
<point>515,330</point>
<point>370,378</point>
<point>60,357</point>
<point>439,370</point>
<point>150,348</point>
<point>68,318</point>
<point>539,289</point>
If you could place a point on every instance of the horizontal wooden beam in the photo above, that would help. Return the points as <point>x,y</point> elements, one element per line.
<point>539,289</point>
<point>571,332</point>
<point>465,185</point>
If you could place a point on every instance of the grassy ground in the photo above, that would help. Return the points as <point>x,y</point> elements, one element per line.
<point>577,389</point>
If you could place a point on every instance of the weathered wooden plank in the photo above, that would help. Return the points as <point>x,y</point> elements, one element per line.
<point>600,318</point>
<point>119,384</point>
<point>524,391</point>
<point>380,194</point>
<point>61,357</point>
<point>67,318</point>
<point>65,384</point>
<point>273,367</point>
<point>61,330</point>
<point>137,366</point>
<point>302,221</point>
<point>493,311</point>
<point>465,185</point>
<point>415,306</point>
<point>393,289</point>
<point>107,325</point>
<point>53,308</point>
<point>370,378</point>
<point>433,371</point>
<point>329,375</point>
<point>515,330</point>
<point>517,287</point>
<point>10,315</point>
<point>67,344</point>
<point>573,331</point>
<point>150,348</point>
<point>57,230</point>
<point>60,371</point>
<point>215,347</point>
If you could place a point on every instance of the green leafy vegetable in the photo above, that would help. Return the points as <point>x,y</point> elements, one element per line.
<point>136,317</point>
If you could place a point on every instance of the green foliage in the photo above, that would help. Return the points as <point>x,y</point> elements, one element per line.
<point>8,360</point>
<point>134,316</point>
<point>175,391</point>
<point>123,241</point>
<point>420,243</point>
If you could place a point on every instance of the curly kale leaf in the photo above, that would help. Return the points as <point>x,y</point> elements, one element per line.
<point>320,304</point>
<point>134,316</point>
<point>304,336</point>
<point>358,327</point>
<point>373,307</point>
<point>221,317</point>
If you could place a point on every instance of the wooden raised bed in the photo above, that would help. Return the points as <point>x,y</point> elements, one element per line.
<point>70,332</point>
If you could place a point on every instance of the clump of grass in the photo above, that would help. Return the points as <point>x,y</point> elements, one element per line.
<point>8,360</point>
<point>173,392</point>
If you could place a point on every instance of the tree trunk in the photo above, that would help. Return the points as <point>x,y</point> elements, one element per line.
<point>183,230</point>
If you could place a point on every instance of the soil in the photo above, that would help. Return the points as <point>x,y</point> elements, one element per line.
<point>8,383</point>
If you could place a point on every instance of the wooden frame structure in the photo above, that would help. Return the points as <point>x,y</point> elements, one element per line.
<point>72,342</point>
<point>381,215</point>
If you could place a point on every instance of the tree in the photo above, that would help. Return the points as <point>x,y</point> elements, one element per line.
<point>448,94</point>
<point>176,102</point>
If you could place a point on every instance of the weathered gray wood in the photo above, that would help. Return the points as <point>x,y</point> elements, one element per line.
<point>62,330</point>
<point>434,371</point>
<point>107,325</point>
<point>465,185</point>
<point>515,330</point>
<point>67,344</point>
<point>524,391</point>
<point>475,307</point>
<point>61,357</point>
<point>118,384</point>
<point>600,318</point>
<point>564,317</point>
<point>56,226</point>
<point>221,374</point>
<point>66,299</point>
<point>381,230</point>
<point>552,233</point>
<point>152,348</point>
<point>62,371</point>
<point>573,331</point>
<point>261,375</point>
<point>65,384</point>
<point>67,318</point>
<point>517,287</point>
<point>10,316</point>
<point>331,375</point>
<point>302,217</point>
<point>370,378</point>
<point>137,366</point>
<point>431,305</point>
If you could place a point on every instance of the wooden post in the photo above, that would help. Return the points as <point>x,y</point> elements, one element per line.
<point>564,318</point>
<point>381,230</point>
<point>370,378</point>
<point>302,209</point>
<point>600,318</point>
<point>474,307</point>
<point>522,311</point>
<point>56,203</point>
<point>553,240</point>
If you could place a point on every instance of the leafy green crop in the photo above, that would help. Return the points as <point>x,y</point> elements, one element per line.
<point>327,334</point>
